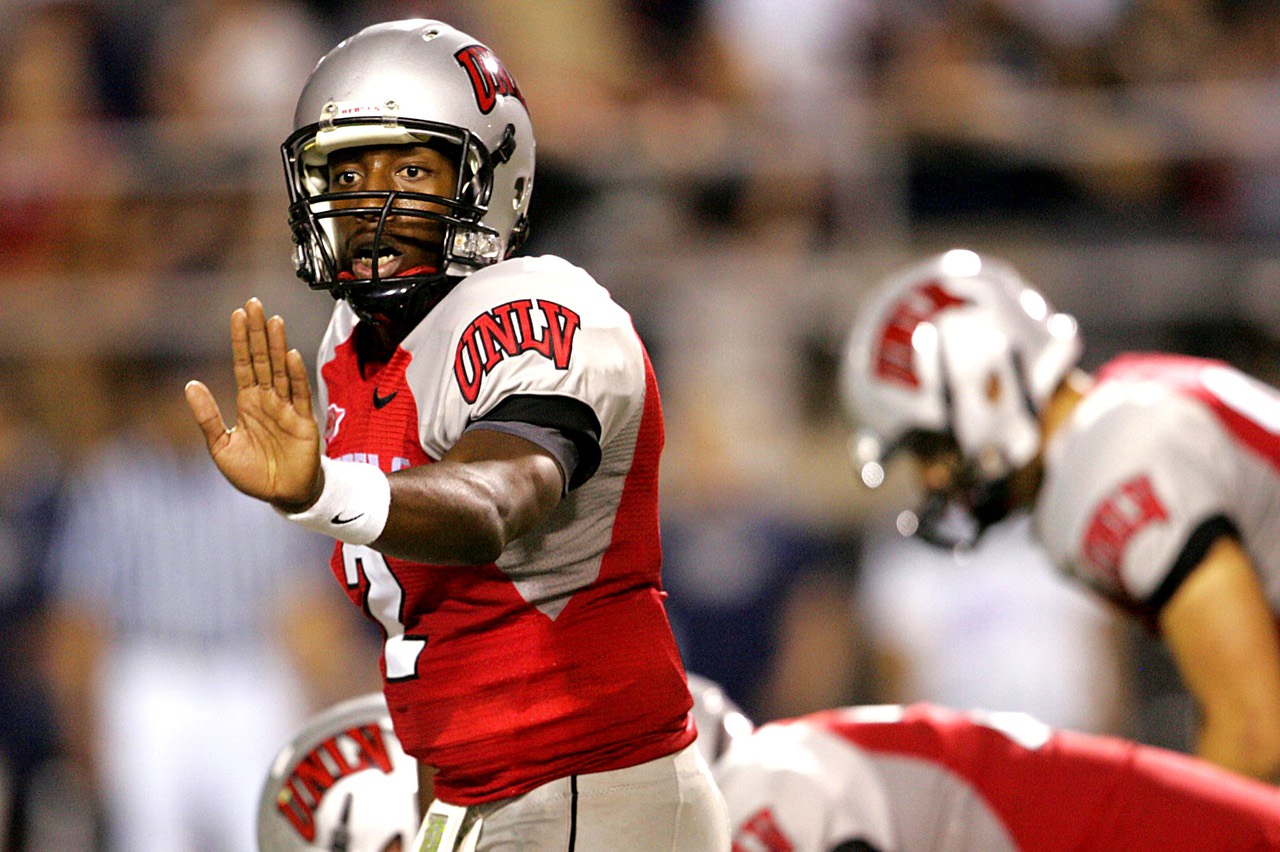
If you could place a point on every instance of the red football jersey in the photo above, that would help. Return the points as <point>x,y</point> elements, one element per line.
<point>557,659</point>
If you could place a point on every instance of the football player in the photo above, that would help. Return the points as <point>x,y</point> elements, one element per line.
<point>924,778</point>
<point>1156,482</point>
<point>488,462</point>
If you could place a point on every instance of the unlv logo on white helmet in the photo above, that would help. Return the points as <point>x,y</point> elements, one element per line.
<point>956,347</point>
<point>343,783</point>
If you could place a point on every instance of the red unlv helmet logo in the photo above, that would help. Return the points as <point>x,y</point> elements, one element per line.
<point>894,361</point>
<point>489,77</point>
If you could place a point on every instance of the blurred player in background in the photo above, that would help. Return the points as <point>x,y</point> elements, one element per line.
<point>859,779</point>
<point>923,778</point>
<point>489,463</point>
<point>1155,482</point>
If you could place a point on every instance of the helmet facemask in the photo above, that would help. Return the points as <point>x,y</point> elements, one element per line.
<point>319,217</point>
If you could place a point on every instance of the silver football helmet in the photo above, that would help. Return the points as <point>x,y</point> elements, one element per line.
<point>720,721</point>
<point>342,784</point>
<point>410,82</point>
<point>956,351</point>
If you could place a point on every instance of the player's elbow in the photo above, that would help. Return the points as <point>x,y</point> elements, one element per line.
<point>486,540</point>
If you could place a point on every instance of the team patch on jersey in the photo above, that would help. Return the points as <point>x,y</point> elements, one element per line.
<point>333,421</point>
<point>354,750</point>
<point>506,331</point>
<point>489,77</point>
<point>894,357</point>
<point>1132,506</point>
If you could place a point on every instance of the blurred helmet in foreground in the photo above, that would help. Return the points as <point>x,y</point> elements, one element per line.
<point>719,720</point>
<point>343,784</point>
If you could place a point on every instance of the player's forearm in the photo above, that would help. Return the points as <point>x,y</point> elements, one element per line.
<point>444,513</point>
<point>1248,746</point>
<point>458,514</point>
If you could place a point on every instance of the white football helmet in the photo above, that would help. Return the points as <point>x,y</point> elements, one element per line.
<point>720,721</point>
<point>342,784</point>
<point>957,348</point>
<point>410,82</point>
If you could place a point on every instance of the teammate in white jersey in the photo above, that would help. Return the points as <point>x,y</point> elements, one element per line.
<point>488,463</point>
<point>924,778</point>
<point>1156,482</point>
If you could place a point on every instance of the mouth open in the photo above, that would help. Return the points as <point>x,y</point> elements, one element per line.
<point>388,261</point>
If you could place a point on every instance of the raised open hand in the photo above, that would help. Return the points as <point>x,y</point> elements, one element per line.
<point>273,451</point>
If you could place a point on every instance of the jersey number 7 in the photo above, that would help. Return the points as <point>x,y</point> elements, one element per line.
<point>384,600</point>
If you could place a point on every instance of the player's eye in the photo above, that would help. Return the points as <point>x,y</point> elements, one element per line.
<point>346,177</point>
<point>414,172</point>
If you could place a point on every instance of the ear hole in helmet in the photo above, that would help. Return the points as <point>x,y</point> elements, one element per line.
<point>994,387</point>
<point>521,192</point>
<point>507,146</point>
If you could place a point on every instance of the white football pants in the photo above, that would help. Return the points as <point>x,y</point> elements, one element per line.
<point>670,803</point>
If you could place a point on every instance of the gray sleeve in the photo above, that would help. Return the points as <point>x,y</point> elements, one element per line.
<point>563,450</point>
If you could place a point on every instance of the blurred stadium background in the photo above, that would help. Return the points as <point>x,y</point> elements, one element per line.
<point>736,172</point>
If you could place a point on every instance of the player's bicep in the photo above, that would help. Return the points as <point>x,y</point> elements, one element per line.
<point>525,479</point>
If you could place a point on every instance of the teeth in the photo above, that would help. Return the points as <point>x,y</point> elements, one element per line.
<point>384,253</point>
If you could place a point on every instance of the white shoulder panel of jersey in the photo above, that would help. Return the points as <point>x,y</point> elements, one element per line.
<point>818,787</point>
<point>524,326</point>
<point>1135,470</point>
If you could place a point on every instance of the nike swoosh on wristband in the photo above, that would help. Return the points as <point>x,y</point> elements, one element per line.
<point>338,519</point>
<point>383,401</point>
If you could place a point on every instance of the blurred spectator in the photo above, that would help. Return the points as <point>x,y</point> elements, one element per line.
<point>221,85</point>
<point>993,627</point>
<point>60,174</point>
<point>760,599</point>
<point>38,786</point>
<point>193,630</point>
<point>1002,120</point>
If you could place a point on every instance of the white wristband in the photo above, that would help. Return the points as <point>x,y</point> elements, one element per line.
<point>353,506</point>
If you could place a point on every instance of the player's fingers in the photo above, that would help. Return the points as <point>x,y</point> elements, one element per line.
<point>205,410</point>
<point>298,380</point>
<point>259,354</point>
<point>277,349</point>
<point>240,359</point>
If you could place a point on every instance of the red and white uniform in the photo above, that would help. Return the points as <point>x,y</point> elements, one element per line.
<point>1164,454</point>
<point>926,779</point>
<point>558,659</point>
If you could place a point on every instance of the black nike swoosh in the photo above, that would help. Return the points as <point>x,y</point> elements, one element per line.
<point>383,401</point>
<point>338,519</point>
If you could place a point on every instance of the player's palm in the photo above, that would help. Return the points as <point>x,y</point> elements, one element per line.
<point>273,453</point>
